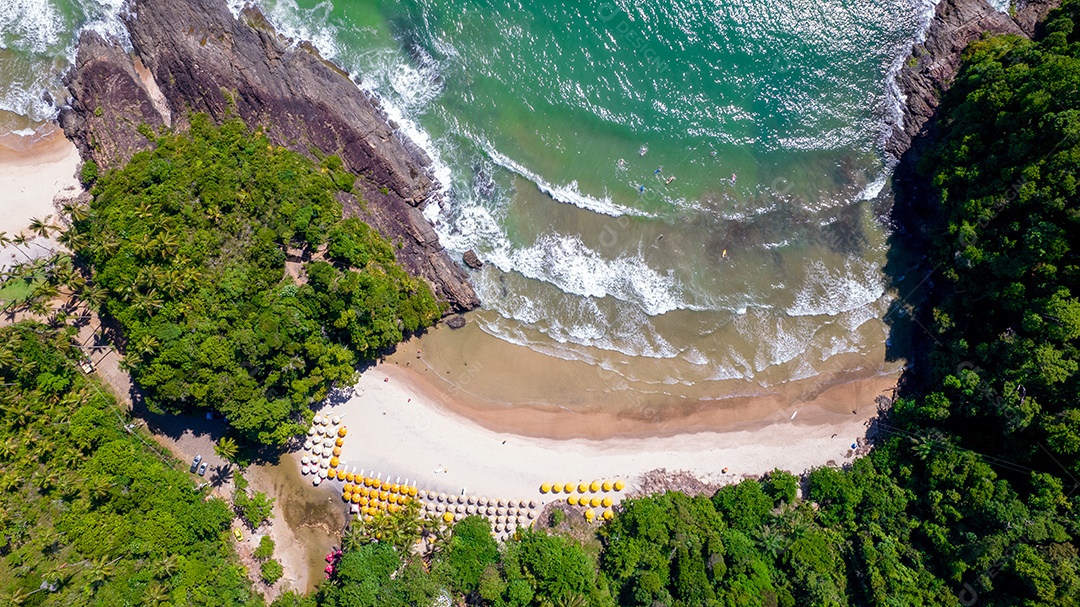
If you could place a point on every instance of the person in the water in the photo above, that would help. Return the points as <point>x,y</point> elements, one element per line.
<point>641,189</point>
<point>733,178</point>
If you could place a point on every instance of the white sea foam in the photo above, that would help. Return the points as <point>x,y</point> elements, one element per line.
<point>566,193</point>
<point>31,25</point>
<point>565,261</point>
<point>830,291</point>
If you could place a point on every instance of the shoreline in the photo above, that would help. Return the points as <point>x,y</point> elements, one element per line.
<point>35,169</point>
<point>400,430</point>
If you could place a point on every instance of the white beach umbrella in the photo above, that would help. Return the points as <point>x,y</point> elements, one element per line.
<point>315,481</point>
<point>322,473</point>
<point>311,431</point>
<point>501,518</point>
<point>499,527</point>
<point>471,509</point>
<point>490,511</point>
<point>325,463</point>
<point>532,504</point>
<point>442,497</point>
<point>532,514</point>
<point>472,499</point>
<point>501,510</point>
<point>336,419</point>
<point>304,460</point>
<point>421,494</point>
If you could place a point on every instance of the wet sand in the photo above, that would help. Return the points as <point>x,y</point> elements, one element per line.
<point>34,168</point>
<point>509,388</point>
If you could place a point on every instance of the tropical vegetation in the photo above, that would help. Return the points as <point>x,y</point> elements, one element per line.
<point>188,248</point>
<point>91,511</point>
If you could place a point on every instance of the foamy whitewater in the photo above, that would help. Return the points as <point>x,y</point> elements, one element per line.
<point>682,182</point>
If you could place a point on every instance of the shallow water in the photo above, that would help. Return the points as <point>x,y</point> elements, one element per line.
<point>556,130</point>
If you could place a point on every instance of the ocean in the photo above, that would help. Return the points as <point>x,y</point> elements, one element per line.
<point>685,193</point>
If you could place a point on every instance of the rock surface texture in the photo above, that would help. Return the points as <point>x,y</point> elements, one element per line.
<point>199,58</point>
<point>935,62</point>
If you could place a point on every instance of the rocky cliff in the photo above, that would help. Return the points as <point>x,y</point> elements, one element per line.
<point>934,63</point>
<point>194,56</point>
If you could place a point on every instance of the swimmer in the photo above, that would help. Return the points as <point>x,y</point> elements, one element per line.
<point>641,189</point>
<point>622,163</point>
<point>657,171</point>
<point>643,150</point>
<point>733,178</point>
<point>724,254</point>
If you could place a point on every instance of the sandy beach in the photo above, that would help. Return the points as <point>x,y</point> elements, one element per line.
<point>34,168</point>
<point>400,428</point>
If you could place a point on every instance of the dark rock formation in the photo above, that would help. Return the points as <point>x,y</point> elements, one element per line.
<point>935,62</point>
<point>455,322</point>
<point>198,58</point>
<point>472,260</point>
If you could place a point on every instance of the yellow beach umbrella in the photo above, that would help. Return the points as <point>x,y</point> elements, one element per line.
<point>348,487</point>
<point>594,502</point>
<point>350,477</point>
<point>589,515</point>
<point>607,502</point>
<point>572,500</point>
<point>363,501</point>
<point>342,432</point>
<point>384,496</point>
<point>345,497</point>
<point>607,485</point>
<point>544,488</point>
<point>556,488</point>
<point>356,497</point>
<point>337,451</point>
<point>619,484</point>
<point>448,517</point>
<point>339,442</point>
<point>413,491</point>
<point>569,487</point>
<point>334,462</point>
<point>583,487</point>
<point>595,486</point>
<point>393,498</point>
<point>385,486</point>
<point>393,508</point>
<point>608,514</point>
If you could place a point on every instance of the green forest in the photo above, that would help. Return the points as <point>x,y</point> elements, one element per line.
<point>969,497</point>
<point>187,246</point>
<point>91,513</point>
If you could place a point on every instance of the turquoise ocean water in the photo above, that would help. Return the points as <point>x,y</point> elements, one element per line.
<point>687,183</point>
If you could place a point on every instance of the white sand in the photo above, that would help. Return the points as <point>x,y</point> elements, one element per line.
<point>31,178</point>
<point>397,431</point>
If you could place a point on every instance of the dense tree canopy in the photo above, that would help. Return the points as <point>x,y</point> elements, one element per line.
<point>89,513</point>
<point>189,243</point>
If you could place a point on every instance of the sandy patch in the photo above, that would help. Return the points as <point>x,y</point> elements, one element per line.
<point>401,429</point>
<point>34,169</point>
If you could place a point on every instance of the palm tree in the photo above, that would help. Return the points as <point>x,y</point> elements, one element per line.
<point>41,227</point>
<point>101,570</point>
<point>4,239</point>
<point>16,597</point>
<point>770,540</point>
<point>156,594</point>
<point>146,344</point>
<point>167,566</point>
<point>94,295</point>
<point>20,242</point>
<point>226,448</point>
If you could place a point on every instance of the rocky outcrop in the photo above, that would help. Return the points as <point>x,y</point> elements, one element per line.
<point>934,63</point>
<point>199,58</point>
